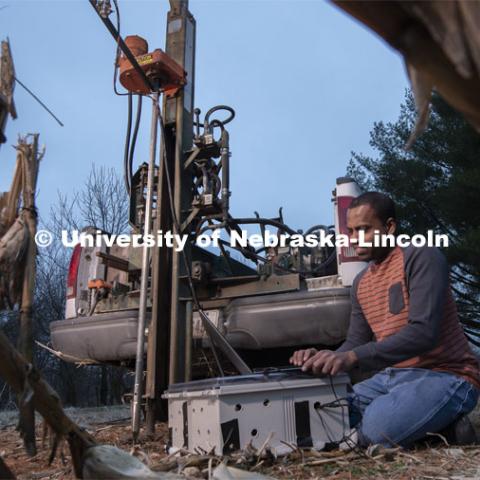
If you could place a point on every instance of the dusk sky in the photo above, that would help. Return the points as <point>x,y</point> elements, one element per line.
<point>307,83</point>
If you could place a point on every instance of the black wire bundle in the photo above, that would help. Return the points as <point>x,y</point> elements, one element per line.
<point>129,149</point>
<point>338,403</point>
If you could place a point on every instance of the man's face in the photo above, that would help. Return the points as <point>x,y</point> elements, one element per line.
<point>363,218</point>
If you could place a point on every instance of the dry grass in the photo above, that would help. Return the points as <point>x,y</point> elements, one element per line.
<point>438,462</point>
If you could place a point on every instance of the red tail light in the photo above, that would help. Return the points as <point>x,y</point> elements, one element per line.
<point>73,271</point>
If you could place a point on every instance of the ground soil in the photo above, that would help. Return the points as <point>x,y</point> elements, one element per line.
<point>424,462</point>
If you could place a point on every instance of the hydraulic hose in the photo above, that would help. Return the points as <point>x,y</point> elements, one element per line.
<point>134,138</point>
<point>126,170</point>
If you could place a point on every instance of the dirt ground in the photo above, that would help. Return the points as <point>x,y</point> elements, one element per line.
<point>439,462</point>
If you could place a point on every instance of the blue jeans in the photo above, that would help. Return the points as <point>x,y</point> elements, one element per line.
<point>398,406</point>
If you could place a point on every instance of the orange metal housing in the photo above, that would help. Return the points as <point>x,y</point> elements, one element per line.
<point>137,45</point>
<point>98,283</point>
<point>158,67</point>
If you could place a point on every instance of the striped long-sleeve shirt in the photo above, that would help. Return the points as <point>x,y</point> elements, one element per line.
<point>404,315</point>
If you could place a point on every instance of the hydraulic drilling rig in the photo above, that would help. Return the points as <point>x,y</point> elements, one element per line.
<point>165,310</point>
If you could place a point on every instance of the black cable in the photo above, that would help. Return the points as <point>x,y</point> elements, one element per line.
<point>346,438</point>
<point>129,149</point>
<point>213,110</point>
<point>115,74</point>
<point>126,51</point>
<point>126,154</point>
<point>216,109</point>
<point>325,428</point>
<point>335,403</point>
<point>126,171</point>
<point>134,137</point>
<point>337,400</point>
<point>117,53</point>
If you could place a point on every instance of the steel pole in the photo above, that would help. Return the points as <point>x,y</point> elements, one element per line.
<point>142,311</point>
<point>188,340</point>
<point>179,116</point>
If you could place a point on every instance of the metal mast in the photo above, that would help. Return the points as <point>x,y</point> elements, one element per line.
<point>168,342</point>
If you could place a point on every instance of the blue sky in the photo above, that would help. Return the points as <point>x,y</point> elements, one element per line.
<point>307,83</point>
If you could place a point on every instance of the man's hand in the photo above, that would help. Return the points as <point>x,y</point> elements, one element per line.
<point>301,356</point>
<point>330,363</point>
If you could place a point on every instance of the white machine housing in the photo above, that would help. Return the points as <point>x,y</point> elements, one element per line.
<point>228,413</point>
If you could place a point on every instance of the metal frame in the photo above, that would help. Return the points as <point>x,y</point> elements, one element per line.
<point>168,331</point>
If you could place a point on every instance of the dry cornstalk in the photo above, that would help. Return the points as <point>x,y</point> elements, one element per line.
<point>28,153</point>
<point>64,356</point>
<point>26,382</point>
<point>90,460</point>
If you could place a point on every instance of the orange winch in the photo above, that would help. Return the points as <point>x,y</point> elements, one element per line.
<point>160,69</point>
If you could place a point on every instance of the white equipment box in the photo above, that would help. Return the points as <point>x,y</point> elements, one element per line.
<point>288,406</point>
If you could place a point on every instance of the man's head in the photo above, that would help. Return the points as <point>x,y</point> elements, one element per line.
<point>371,212</point>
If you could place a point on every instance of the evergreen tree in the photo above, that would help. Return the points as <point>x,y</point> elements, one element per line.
<point>436,186</point>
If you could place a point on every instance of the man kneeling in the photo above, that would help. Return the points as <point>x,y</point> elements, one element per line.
<point>404,321</point>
